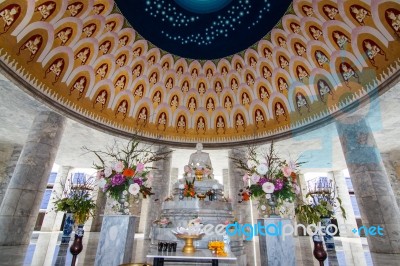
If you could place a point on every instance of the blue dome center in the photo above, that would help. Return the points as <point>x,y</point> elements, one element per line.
<point>202,6</point>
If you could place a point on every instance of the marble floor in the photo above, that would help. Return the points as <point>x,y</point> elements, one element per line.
<point>45,249</point>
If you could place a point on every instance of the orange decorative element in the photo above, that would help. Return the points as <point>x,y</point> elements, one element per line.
<point>128,172</point>
<point>245,196</point>
<point>218,248</point>
<point>294,176</point>
<point>189,190</point>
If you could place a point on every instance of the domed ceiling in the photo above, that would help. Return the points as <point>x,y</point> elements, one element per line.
<point>84,58</point>
<point>203,29</point>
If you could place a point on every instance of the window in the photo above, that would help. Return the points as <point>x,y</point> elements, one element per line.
<point>46,199</point>
<point>349,184</point>
<point>355,206</point>
<point>52,178</point>
<point>78,178</point>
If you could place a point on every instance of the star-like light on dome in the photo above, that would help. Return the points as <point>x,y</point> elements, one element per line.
<point>221,26</point>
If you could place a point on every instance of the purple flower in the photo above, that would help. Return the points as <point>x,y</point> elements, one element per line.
<point>262,181</point>
<point>118,179</point>
<point>138,181</point>
<point>278,184</point>
<point>106,187</point>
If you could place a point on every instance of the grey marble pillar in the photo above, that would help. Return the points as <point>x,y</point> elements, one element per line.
<point>391,161</point>
<point>160,183</point>
<point>174,178</point>
<point>101,200</point>
<point>21,203</point>
<point>52,220</point>
<point>346,225</point>
<point>116,240</point>
<point>371,185</point>
<point>236,174</point>
<point>225,179</point>
<point>276,249</point>
<point>9,154</point>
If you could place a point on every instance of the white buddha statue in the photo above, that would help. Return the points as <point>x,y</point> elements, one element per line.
<point>200,158</point>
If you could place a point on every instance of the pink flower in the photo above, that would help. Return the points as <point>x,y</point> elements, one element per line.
<point>139,167</point>
<point>119,166</point>
<point>134,189</point>
<point>246,178</point>
<point>107,171</point>
<point>287,171</point>
<point>268,187</point>
<point>255,178</point>
<point>99,174</point>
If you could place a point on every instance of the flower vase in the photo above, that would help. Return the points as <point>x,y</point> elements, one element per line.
<point>68,227</point>
<point>328,237</point>
<point>272,204</point>
<point>77,246</point>
<point>319,251</point>
<point>123,203</point>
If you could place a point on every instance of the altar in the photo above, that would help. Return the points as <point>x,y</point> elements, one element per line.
<point>201,256</point>
<point>197,196</point>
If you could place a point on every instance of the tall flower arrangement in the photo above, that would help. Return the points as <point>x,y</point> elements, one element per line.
<point>77,198</point>
<point>122,170</point>
<point>269,176</point>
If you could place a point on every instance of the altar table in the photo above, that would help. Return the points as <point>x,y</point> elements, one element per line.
<point>178,256</point>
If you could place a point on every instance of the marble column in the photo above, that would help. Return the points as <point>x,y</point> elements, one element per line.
<point>391,161</point>
<point>236,174</point>
<point>355,249</point>
<point>97,220</point>
<point>242,211</point>
<point>161,175</point>
<point>371,185</point>
<point>226,182</point>
<point>52,220</point>
<point>9,154</point>
<point>21,203</point>
<point>174,178</point>
<point>348,224</point>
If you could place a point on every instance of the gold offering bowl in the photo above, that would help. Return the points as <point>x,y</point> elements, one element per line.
<point>189,248</point>
<point>201,196</point>
<point>199,174</point>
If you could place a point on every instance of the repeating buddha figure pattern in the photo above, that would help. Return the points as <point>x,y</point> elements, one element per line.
<point>323,54</point>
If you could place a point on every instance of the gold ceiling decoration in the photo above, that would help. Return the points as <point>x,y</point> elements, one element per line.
<point>83,58</point>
